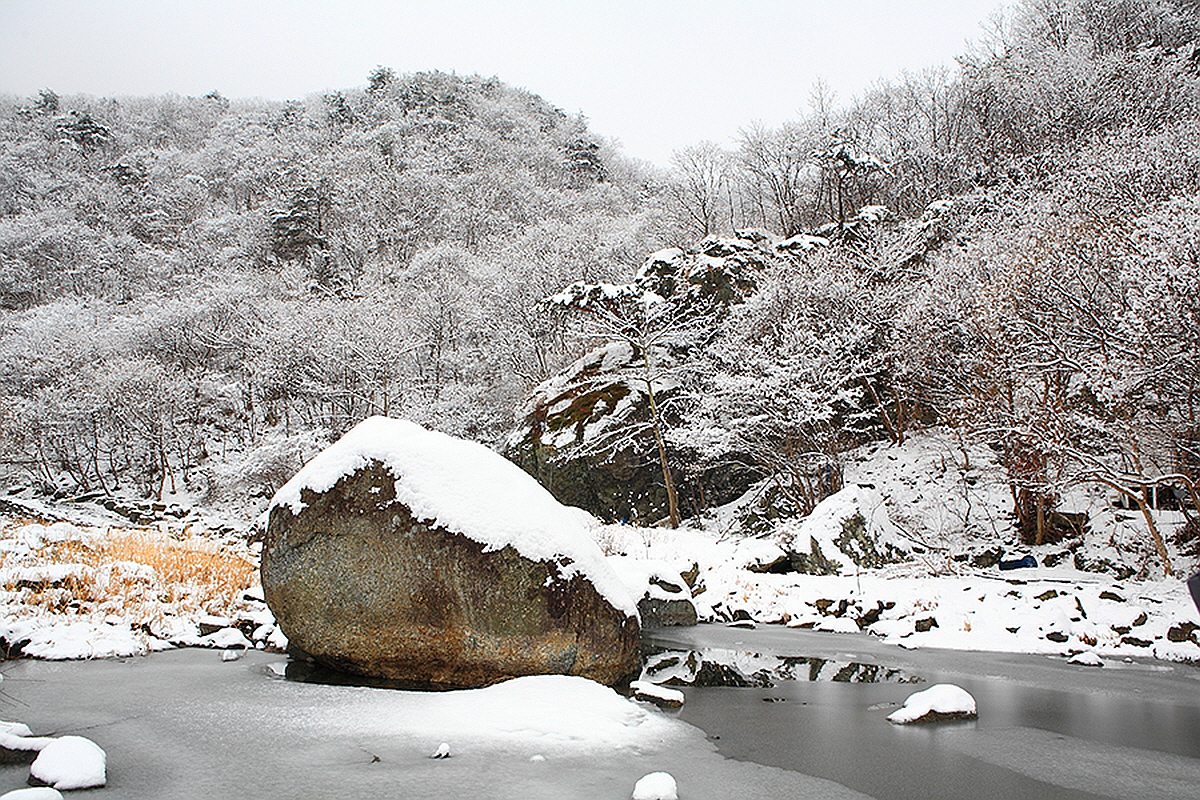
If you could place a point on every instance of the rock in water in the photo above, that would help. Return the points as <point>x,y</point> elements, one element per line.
<point>407,554</point>
<point>942,702</point>
<point>656,786</point>
<point>70,762</point>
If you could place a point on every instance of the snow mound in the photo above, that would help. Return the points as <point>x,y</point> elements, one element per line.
<point>62,641</point>
<point>70,762</point>
<point>465,488</point>
<point>34,793</point>
<point>549,715</point>
<point>940,701</point>
<point>1087,658</point>
<point>656,786</point>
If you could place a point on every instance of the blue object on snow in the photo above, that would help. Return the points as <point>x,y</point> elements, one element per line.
<point>1021,563</point>
<point>1194,587</point>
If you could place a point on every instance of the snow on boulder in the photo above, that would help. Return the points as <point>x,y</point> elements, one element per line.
<point>665,600</point>
<point>939,703</point>
<point>655,786</point>
<point>70,762</point>
<point>404,553</point>
<point>846,529</point>
<point>1087,658</point>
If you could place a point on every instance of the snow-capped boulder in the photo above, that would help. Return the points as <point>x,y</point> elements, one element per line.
<point>941,702</point>
<point>70,762</point>
<point>846,530</point>
<point>656,786</point>
<point>408,554</point>
<point>665,598</point>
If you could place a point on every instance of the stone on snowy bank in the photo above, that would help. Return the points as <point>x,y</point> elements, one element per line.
<point>942,702</point>
<point>410,555</point>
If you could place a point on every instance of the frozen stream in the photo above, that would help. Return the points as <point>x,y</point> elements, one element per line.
<point>184,724</point>
<point>1046,729</point>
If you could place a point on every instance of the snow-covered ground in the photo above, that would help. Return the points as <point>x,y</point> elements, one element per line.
<point>949,507</point>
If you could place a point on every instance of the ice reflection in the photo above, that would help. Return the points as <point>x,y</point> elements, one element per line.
<point>720,667</point>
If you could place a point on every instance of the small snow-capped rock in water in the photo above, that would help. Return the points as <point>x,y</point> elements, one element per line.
<point>443,751</point>
<point>661,696</point>
<point>70,762</point>
<point>939,703</point>
<point>655,786</point>
<point>1087,658</point>
<point>537,758</point>
<point>231,655</point>
<point>33,793</point>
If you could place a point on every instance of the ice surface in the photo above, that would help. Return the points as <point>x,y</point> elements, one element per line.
<point>196,720</point>
<point>70,762</point>
<point>942,698</point>
<point>466,488</point>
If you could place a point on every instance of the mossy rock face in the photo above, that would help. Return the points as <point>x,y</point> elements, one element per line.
<point>814,562</point>
<point>359,584</point>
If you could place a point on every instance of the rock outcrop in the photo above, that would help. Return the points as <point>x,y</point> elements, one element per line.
<point>575,434</point>
<point>410,555</point>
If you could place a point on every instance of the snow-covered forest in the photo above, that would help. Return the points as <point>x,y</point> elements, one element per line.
<point>198,293</point>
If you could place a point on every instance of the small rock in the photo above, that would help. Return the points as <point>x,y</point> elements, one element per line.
<point>443,751</point>
<point>537,758</point>
<point>1107,595</point>
<point>1087,658</point>
<point>658,695</point>
<point>1141,620</point>
<point>925,625</point>
<point>1049,594</point>
<point>1057,637</point>
<point>1183,632</point>
<point>1135,642</point>
<point>231,655</point>
<point>656,786</point>
<point>941,702</point>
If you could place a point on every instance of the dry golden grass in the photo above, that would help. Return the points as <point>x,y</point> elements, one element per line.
<point>188,575</point>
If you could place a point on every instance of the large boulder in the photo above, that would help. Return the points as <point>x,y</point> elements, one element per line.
<point>407,554</point>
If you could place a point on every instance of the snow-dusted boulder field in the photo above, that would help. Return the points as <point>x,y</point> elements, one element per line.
<point>408,554</point>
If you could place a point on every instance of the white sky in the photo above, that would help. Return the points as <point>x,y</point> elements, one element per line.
<point>657,75</point>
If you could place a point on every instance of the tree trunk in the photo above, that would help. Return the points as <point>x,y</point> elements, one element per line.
<point>656,420</point>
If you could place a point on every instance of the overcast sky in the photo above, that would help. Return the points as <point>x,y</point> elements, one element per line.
<point>657,75</point>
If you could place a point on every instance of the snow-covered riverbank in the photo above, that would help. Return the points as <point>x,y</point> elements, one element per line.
<point>90,585</point>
